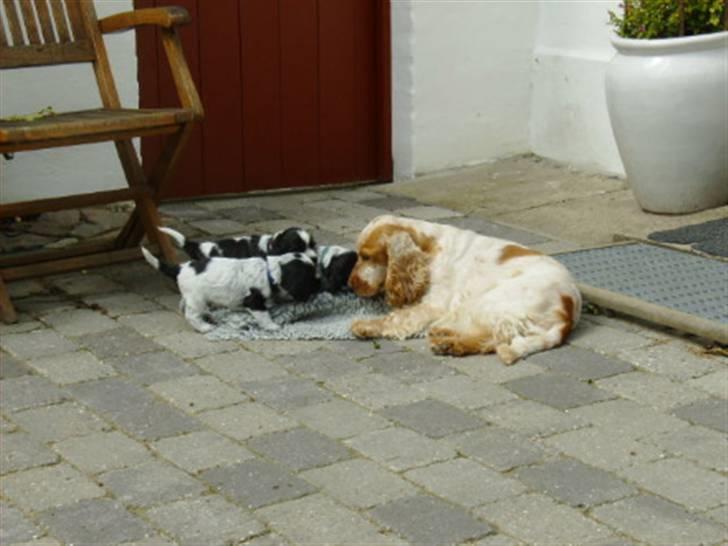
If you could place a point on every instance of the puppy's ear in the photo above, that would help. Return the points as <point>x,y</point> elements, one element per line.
<point>408,272</point>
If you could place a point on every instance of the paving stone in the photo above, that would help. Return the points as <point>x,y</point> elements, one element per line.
<point>715,383</point>
<point>607,340</point>
<point>149,368</point>
<point>299,449</point>
<point>78,322</point>
<point>603,448</point>
<point>491,369</point>
<point>580,363</point>
<point>16,527</point>
<point>68,368</point>
<point>322,365</point>
<point>6,426</point>
<point>123,303</point>
<point>340,419</point>
<point>193,345</point>
<point>427,520</point>
<point>156,323</point>
<point>241,367</point>
<point>712,413</point>
<point>87,521</point>
<point>58,422</point>
<point>134,409</point>
<point>150,483</point>
<point>652,390</point>
<point>389,202</point>
<point>498,540</point>
<point>359,483</point>
<point>117,343</point>
<point>11,367</point>
<point>47,487</point>
<point>465,482</point>
<point>530,418</point>
<point>428,213</point>
<point>43,304</point>
<point>558,391</point>
<point>269,539</point>
<point>362,348</point>
<point>538,519</point>
<point>20,451</point>
<point>432,418</point>
<point>211,521</point>
<point>492,229</point>
<point>102,451</point>
<point>575,483</point>
<point>247,215</point>
<point>25,288</point>
<point>257,483</point>
<point>359,195</point>
<point>286,394</point>
<point>682,482</point>
<point>22,326</point>
<point>706,447</point>
<point>400,448</point>
<point>84,284</point>
<point>185,210</point>
<point>201,450</point>
<point>219,226</point>
<point>656,521</point>
<point>498,448</point>
<point>37,343</point>
<point>628,418</point>
<point>28,391</point>
<point>197,393</point>
<point>466,392</point>
<point>317,519</point>
<point>347,209</point>
<point>272,350</point>
<point>408,367</point>
<point>246,421</point>
<point>719,514</point>
<point>374,391</point>
<point>677,360</point>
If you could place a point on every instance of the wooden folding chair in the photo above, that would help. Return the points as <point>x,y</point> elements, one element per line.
<point>67,31</point>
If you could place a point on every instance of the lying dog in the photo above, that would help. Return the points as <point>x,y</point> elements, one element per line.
<point>292,239</point>
<point>250,283</point>
<point>334,265</point>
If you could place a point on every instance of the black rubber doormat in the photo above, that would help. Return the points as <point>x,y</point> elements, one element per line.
<point>709,237</point>
<point>679,289</point>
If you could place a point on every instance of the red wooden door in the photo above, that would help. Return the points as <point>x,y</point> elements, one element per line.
<point>296,93</point>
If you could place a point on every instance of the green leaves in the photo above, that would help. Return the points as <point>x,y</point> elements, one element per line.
<point>648,19</point>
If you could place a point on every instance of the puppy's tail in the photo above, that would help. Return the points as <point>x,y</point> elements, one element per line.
<point>190,247</point>
<point>171,270</point>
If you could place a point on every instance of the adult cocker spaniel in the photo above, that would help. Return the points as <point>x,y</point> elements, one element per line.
<point>474,294</point>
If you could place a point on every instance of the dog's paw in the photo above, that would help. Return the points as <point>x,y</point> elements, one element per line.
<point>507,355</point>
<point>366,329</point>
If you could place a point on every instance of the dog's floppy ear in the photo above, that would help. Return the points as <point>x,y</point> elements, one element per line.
<point>408,272</point>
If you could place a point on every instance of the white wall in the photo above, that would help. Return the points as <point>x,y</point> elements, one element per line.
<point>63,171</point>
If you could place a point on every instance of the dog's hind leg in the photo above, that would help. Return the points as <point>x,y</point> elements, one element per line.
<point>263,319</point>
<point>446,341</point>
<point>520,346</point>
<point>195,314</point>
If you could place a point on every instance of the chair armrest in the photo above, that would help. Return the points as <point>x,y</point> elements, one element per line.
<point>166,17</point>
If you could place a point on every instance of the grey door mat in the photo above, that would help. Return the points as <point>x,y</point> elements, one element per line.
<point>709,237</point>
<point>326,316</point>
<point>678,289</point>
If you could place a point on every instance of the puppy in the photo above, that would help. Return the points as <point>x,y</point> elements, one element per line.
<point>251,283</point>
<point>334,266</point>
<point>292,239</point>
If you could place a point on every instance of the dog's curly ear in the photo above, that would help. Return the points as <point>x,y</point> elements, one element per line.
<point>408,272</point>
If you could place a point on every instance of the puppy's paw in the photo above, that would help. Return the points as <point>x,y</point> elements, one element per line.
<point>506,354</point>
<point>367,329</point>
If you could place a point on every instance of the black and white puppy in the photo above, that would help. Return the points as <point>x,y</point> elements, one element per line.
<point>334,266</point>
<point>292,239</point>
<point>250,283</point>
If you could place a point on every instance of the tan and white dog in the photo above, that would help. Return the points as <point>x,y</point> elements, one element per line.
<point>473,294</point>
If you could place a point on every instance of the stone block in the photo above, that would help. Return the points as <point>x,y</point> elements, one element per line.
<point>374,391</point>
<point>580,363</point>
<point>37,343</point>
<point>530,418</point>
<point>556,390</point>
<point>239,367</point>
<point>708,448</point>
<point>628,418</point>
<point>48,487</point>
<point>68,368</point>
<point>408,367</point>
<point>299,449</point>
<point>286,394</point>
<point>79,322</point>
<point>21,451</point>
<point>651,390</point>
<point>466,392</point>
<point>246,421</point>
<point>102,451</point>
<point>29,391</point>
<point>498,448</point>
<point>712,413</point>
<point>149,368</point>
<point>194,345</point>
<point>340,419</point>
<point>432,418</point>
<point>150,483</point>
<point>117,343</point>
<point>156,323</point>
<point>196,393</point>
<point>201,450</point>
<point>59,421</point>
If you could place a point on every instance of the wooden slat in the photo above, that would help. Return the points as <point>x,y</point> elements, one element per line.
<point>44,16</point>
<point>47,54</point>
<point>31,27</point>
<point>3,37</point>
<point>59,17</point>
<point>26,208</point>
<point>75,8</point>
<point>13,19</point>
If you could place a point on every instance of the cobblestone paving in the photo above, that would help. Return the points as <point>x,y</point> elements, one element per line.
<point>121,425</point>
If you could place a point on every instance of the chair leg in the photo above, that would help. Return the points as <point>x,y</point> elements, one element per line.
<point>133,232</point>
<point>7,311</point>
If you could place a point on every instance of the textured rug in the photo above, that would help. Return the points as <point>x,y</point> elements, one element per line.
<point>326,316</point>
<point>709,237</point>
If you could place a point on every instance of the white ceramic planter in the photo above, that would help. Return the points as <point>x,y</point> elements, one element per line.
<point>668,103</point>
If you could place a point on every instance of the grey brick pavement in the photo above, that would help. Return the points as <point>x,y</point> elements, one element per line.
<point>119,424</point>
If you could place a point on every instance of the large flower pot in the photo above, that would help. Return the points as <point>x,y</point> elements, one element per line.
<point>668,103</point>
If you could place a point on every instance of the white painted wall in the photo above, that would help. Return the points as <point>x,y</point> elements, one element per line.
<point>63,171</point>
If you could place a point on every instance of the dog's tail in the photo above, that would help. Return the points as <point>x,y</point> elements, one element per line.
<point>171,270</point>
<point>190,247</point>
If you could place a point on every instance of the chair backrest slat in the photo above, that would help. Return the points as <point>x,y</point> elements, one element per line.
<point>3,38</point>
<point>59,17</point>
<point>73,9</point>
<point>44,16</point>
<point>11,12</point>
<point>31,26</point>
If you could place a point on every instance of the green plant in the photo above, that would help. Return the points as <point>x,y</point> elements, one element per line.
<point>670,18</point>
